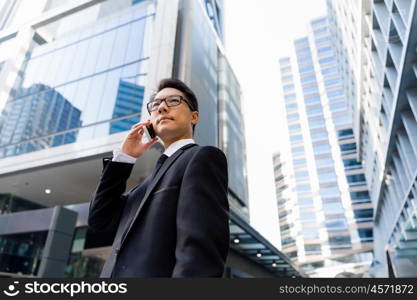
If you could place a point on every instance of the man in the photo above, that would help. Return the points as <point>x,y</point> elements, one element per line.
<point>174,224</point>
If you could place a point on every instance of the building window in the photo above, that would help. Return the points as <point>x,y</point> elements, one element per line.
<point>330,192</point>
<point>285,60</point>
<point>317,22</point>
<point>348,148</point>
<point>292,254</point>
<point>287,242</point>
<point>299,162</point>
<point>320,30</point>
<point>342,120</point>
<point>339,242</point>
<point>302,42</point>
<point>308,79</point>
<point>357,179</point>
<point>285,70</point>
<point>291,106</point>
<point>296,138</point>
<point>297,150</point>
<point>303,188</point>
<point>327,177</point>
<point>327,71</point>
<point>333,208</point>
<point>303,60</point>
<point>335,94</point>
<point>310,233</point>
<point>288,87</point>
<point>311,89</point>
<point>306,202</point>
<point>293,117</point>
<point>322,40</point>
<point>336,225</point>
<point>360,197</point>
<point>311,112</point>
<point>289,97</point>
<point>303,51</point>
<point>363,215</point>
<point>351,164</point>
<point>317,123</point>
<point>301,175</point>
<point>306,69</point>
<point>314,99</point>
<point>294,127</point>
<point>326,60</point>
<point>307,217</point>
<point>285,227</point>
<point>324,50</point>
<point>345,133</point>
<point>321,149</point>
<point>319,136</point>
<point>366,234</point>
<point>312,249</point>
<point>331,82</point>
<point>324,162</point>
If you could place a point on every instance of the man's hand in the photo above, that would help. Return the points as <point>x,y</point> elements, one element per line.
<point>132,144</point>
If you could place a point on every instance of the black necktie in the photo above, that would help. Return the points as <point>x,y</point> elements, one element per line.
<point>159,163</point>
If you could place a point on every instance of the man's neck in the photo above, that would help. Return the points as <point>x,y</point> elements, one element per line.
<point>169,142</point>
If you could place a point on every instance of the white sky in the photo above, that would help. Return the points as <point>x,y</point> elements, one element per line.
<point>257,34</point>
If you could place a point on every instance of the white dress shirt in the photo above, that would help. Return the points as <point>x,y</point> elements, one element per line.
<point>119,156</point>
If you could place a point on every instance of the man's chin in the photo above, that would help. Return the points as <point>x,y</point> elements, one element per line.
<point>165,131</point>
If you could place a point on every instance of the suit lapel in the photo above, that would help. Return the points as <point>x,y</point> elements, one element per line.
<point>170,160</point>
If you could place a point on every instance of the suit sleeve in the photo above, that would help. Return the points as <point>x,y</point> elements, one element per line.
<point>203,216</point>
<point>107,205</point>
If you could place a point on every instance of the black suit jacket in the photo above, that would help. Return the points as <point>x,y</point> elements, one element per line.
<point>175,225</point>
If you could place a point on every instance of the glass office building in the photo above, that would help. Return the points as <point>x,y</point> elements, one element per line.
<point>382,45</point>
<point>78,83</point>
<point>74,77</point>
<point>326,213</point>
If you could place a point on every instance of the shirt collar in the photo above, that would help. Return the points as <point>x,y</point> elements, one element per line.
<point>176,145</point>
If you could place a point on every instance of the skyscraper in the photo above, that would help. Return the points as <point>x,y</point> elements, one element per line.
<point>379,36</point>
<point>326,214</point>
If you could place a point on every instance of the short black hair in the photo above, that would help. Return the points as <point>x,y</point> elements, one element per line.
<point>181,86</point>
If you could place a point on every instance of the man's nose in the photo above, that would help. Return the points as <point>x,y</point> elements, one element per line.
<point>162,107</point>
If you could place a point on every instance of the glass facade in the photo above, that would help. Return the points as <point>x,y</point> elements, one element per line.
<point>10,203</point>
<point>214,10</point>
<point>21,253</point>
<point>200,68</point>
<point>87,84</point>
<point>232,129</point>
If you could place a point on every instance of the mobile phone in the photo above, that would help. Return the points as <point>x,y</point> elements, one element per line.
<point>149,132</point>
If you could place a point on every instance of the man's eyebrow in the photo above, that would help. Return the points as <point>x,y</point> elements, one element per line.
<point>169,96</point>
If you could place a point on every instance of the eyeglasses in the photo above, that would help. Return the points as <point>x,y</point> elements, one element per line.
<point>170,101</point>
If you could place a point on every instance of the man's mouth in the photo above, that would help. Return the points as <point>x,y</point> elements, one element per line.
<point>164,118</point>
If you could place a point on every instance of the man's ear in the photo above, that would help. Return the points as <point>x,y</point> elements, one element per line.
<point>195,117</point>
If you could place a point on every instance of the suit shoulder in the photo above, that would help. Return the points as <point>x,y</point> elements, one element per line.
<point>209,152</point>
<point>212,149</point>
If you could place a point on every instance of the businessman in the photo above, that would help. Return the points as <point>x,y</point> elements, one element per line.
<point>176,222</point>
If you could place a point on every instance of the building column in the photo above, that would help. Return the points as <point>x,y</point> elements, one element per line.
<point>58,243</point>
